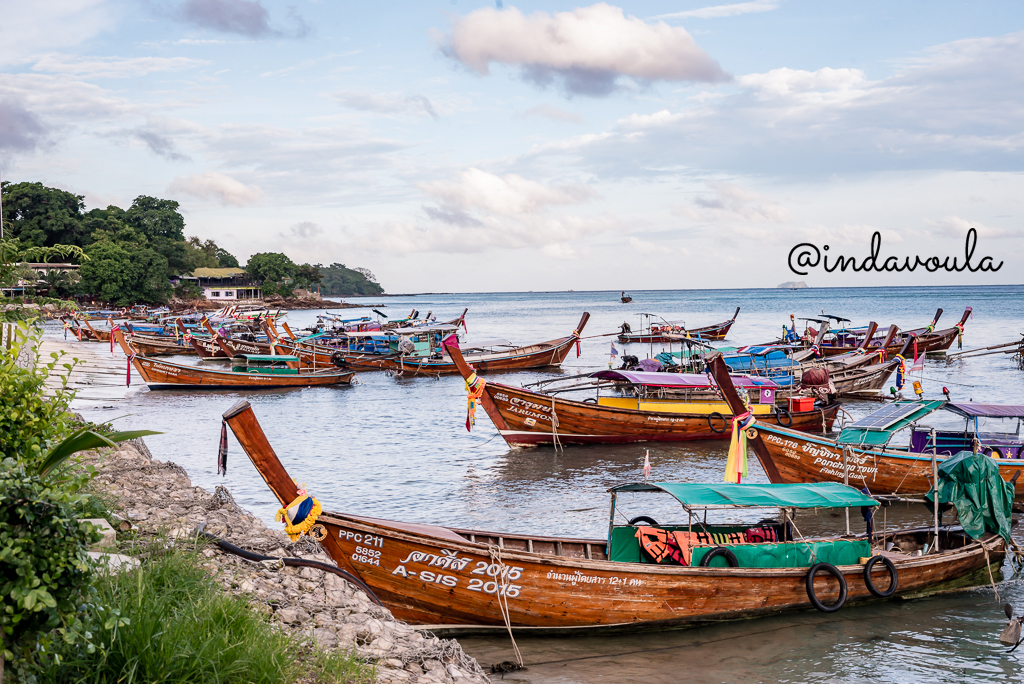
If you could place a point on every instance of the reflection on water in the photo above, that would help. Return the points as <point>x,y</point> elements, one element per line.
<point>398,448</point>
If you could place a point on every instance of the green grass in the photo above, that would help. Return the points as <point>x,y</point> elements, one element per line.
<point>177,625</point>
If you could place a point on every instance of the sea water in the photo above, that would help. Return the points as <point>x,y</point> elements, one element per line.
<point>398,448</point>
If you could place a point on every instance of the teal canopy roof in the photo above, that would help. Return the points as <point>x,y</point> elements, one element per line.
<point>816,495</point>
<point>269,357</point>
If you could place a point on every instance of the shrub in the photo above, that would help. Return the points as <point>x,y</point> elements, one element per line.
<point>44,567</point>
<point>174,624</point>
<point>30,421</point>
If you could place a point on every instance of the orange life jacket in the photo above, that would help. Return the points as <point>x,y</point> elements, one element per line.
<point>661,546</point>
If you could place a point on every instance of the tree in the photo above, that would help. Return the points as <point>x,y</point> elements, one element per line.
<point>125,273</point>
<point>156,218</point>
<point>309,276</point>
<point>42,216</point>
<point>226,259</point>
<point>338,280</point>
<point>366,273</point>
<point>270,267</point>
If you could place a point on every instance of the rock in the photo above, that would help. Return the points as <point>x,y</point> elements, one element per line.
<point>158,499</point>
<point>114,562</point>
<point>291,616</point>
<point>325,638</point>
<point>109,538</point>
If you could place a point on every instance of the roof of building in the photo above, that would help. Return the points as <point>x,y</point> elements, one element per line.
<point>217,272</point>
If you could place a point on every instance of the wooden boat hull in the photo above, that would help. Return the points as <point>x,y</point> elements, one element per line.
<point>793,457</point>
<point>551,353</point>
<point>417,580</point>
<point>715,332</point>
<point>159,374</point>
<point>524,418</point>
<point>434,575</point>
<point>163,375</point>
<point>159,346</point>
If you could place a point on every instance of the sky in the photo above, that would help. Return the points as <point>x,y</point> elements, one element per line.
<point>495,146</point>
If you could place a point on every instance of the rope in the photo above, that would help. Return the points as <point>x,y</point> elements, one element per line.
<point>988,564</point>
<point>554,428</point>
<point>495,554</point>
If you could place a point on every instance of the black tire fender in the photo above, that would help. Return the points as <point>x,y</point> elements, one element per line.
<point>644,518</point>
<point>781,411</point>
<point>711,425</point>
<point>834,571</point>
<point>725,553</point>
<point>891,567</point>
<point>590,400</point>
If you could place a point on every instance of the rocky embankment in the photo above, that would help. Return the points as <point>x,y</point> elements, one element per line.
<point>158,498</point>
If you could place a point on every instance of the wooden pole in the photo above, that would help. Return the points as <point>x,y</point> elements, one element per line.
<point>846,481</point>
<point>935,481</point>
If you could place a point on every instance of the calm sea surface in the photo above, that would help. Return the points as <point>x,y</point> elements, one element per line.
<point>398,448</point>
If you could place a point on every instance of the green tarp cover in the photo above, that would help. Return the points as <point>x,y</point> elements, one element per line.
<point>268,357</point>
<point>983,499</point>
<point>816,495</point>
<point>868,437</point>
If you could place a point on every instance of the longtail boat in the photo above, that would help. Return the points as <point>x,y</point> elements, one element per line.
<point>863,455</point>
<point>669,331</point>
<point>427,351</point>
<point>259,372</point>
<point>526,418</point>
<point>472,581</point>
<point>149,345</point>
<point>928,340</point>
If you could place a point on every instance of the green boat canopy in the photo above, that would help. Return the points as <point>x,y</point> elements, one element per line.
<point>876,429</point>
<point>983,499</point>
<point>817,495</point>
<point>268,357</point>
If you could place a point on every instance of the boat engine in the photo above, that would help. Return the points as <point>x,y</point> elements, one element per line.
<point>338,359</point>
<point>629,362</point>
<point>1011,634</point>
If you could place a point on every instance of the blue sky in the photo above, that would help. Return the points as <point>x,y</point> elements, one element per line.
<point>469,146</point>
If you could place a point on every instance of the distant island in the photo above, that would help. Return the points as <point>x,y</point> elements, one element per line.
<point>793,285</point>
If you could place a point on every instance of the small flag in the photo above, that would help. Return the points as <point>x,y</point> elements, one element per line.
<point>615,352</point>
<point>647,465</point>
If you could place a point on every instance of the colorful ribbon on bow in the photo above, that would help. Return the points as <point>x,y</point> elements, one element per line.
<point>475,390</point>
<point>816,350</point>
<point>131,357</point>
<point>736,463</point>
<point>112,329</point>
<point>901,372</point>
<point>960,334</point>
<point>300,515</point>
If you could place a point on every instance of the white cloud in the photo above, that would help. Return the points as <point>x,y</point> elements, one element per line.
<point>507,195</point>
<point>587,48</point>
<point>111,67</point>
<point>385,103</point>
<point>559,250</point>
<point>718,11</point>
<point>28,29</point>
<point>216,187</point>
<point>553,113</point>
<point>647,247</point>
<point>730,203</point>
<point>956,227</point>
<point>958,106</point>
